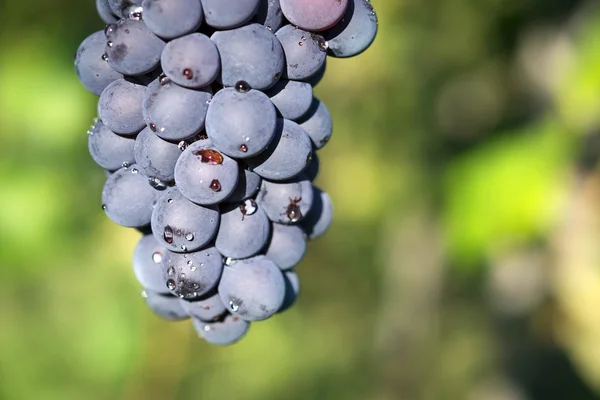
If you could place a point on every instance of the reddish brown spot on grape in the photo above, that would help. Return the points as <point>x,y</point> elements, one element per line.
<point>168,234</point>
<point>209,156</point>
<point>188,73</point>
<point>153,127</point>
<point>293,211</point>
<point>244,148</point>
<point>215,185</point>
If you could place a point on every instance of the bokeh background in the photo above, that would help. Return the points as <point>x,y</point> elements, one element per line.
<point>464,261</point>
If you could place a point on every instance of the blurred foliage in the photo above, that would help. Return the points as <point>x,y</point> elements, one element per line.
<point>463,262</point>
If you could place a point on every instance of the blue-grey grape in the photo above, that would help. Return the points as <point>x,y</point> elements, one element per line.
<point>224,332</point>
<point>192,61</point>
<point>91,66</point>
<point>173,112</point>
<point>319,218</point>
<point>251,54</point>
<point>170,19</point>
<point>287,246</point>
<point>287,155</point>
<point>120,107</point>
<point>109,150</point>
<point>317,123</point>
<point>204,175</point>
<point>292,290</point>
<point>355,32</point>
<point>269,14</point>
<point>206,308</point>
<point>286,202</point>
<point>131,47</point>
<point>252,289</point>
<point>165,306</point>
<point>182,225</point>
<point>192,275</point>
<point>155,157</point>
<point>244,230</point>
<point>241,124</point>
<point>105,13</point>
<point>128,199</point>
<point>147,264</point>
<point>291,98</point>
<point>314,15</point>
<point>247,186</point>
<point>305,52</point>
<point>227,14</point>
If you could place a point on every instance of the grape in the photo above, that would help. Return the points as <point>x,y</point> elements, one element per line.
<point>287,246</point>
<point>204,175</point>
<point>192,275</point>
<point>251,54</point>
<point>207,308</point>
<point>192,61</point>
<point>227,14</point>
<point>109,150</point>
<point>286,203</point>
<point>355,32</point>
<point>312,169</point>
<point>165,306</point>
<point>120,6</point>
<point>269,14</point>
<point>223,333</point>
<point>252,289</point>
<point>147,264</point>
<point>244,230</point>
<point>105,13</point>
<point>314,15</point>
<point>128,199</point>
<point>182,225</point>
<point>91,67</point>
<point>305,52</point>
<point>175,113</point>
<point>120,107</point>
<point>170,19</point>
<point>155,157</point>
<point>291,98</point>
<point>131,47</point>
<point>287,155</point>
<point>317,123</point>
<point>247,186</point>
<point>319,218</point>
<point>315,79</point>
<point>241,124</point>
<point>292,290</point>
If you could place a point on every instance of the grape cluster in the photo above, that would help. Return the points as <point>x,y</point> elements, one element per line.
<point>208,131</point>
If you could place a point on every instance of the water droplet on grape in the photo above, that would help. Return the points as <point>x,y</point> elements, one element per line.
<point>215,185</point>
<point>171,284</point>
<point>244,148</point>
<point>157,257</point>
<point>171,271</point>
<point>168,234</point>
<point>242,87</point>
<point>188,73</point>
<point>189,236</point>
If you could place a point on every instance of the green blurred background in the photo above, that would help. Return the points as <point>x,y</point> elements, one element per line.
<point>464,261</point>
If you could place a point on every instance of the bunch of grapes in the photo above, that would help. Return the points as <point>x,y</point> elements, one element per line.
<point>208,131</point>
